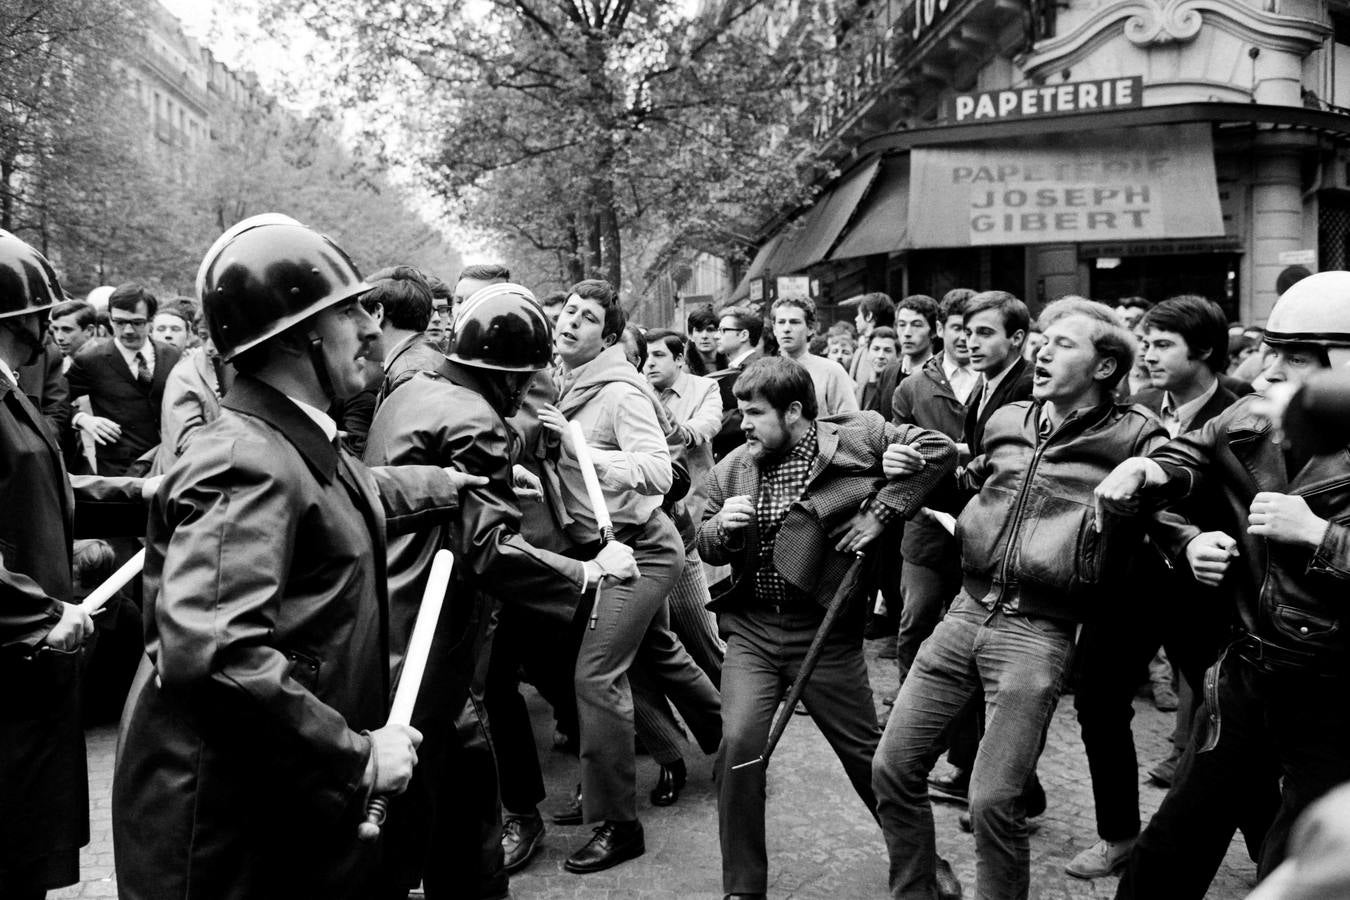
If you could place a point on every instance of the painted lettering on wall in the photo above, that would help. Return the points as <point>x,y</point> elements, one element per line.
<point>1053,99</point>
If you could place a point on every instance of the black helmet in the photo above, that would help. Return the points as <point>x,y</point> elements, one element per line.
<point>28,282</point>
<point>503,328</point>
<point>266,274</point>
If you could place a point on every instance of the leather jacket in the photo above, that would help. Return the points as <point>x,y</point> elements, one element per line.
<point>1290,599</point>
<point>1028,539</point>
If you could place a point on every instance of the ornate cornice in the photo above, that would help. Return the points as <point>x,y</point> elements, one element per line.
<point>1147,23</point>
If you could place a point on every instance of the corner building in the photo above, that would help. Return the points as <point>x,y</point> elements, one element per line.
<point>1101,147</point>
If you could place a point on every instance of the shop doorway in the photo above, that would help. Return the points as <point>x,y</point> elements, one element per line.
<point>1211,275</point>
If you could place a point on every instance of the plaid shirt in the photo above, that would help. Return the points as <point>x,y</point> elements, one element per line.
<point>781,485</point>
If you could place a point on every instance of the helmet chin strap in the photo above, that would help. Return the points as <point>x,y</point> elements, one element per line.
<point>316,359</point>
<point>34,344</point>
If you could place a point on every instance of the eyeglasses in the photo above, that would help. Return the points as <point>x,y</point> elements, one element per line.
<point>134,323</point>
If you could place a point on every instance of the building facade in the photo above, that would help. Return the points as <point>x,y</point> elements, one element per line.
<point>1107,148</point>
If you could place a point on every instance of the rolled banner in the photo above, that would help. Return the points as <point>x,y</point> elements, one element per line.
<point>118,580</point>
<point>414,667</point>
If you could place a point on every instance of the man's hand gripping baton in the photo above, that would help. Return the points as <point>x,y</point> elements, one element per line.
<point>598,508</point>
<point>414,666</point>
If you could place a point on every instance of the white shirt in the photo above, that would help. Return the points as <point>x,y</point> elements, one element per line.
<point>147,351</point>
<point>1177,419</point>
<point>961,378</point>
<point>991,385</point>
<point>321,418</point>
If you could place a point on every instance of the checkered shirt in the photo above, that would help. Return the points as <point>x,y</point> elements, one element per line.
<point>780,486</point>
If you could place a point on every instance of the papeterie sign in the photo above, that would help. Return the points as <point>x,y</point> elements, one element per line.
<point>1049,100</point>
<point>1140,184</point>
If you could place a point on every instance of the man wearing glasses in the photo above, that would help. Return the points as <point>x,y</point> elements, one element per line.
<point>124,380</point>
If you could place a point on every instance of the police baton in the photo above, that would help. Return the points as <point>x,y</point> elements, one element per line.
<point>100,595</point>
<point>601,512</point>
<point>846,590</point>
<point>414,667</point>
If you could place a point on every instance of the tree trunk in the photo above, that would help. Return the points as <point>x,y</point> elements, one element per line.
<point>7,192</point>
<point>573,268</point>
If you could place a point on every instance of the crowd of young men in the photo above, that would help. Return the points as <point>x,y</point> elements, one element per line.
<point>337,431</point>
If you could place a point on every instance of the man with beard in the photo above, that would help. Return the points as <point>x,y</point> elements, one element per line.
<point>784,512</point>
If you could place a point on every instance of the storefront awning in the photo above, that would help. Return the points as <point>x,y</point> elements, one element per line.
<point>882,223</point>
<point>1143,183</point>
<point>758,265</point>
<point>820,228</point>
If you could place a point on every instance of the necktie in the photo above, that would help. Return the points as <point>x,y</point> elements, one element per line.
<point>142,370</point>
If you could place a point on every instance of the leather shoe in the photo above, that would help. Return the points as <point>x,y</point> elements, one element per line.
<point>571,813</point>
<point>613,843</point>
<point>954,787</point>
<point>948,885</point>
<point>520,838</point>
<point>1033,798</point>
<point>669,784</point>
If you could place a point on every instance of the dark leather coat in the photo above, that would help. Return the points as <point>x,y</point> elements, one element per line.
<point>442,419</point>
<point>1027,537</point>
<point>267,627</point>
<point>44,797</point>
<point>1290,597</point>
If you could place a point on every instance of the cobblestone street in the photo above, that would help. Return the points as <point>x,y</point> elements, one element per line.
<point>822,843</point>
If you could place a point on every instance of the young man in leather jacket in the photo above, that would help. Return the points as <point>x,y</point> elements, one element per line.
<point>1272,714</point>
<point>1033,560</point>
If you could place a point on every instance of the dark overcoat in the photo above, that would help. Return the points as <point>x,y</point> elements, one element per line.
<point>242,753</point>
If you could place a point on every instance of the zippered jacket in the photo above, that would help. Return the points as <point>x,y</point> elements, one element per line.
<point>1028,538</point>
<point>1291,599</point>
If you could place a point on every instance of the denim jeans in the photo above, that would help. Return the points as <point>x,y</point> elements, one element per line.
<point>1020,662</point>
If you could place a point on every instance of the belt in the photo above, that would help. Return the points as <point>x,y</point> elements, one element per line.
<point>1270,657</point>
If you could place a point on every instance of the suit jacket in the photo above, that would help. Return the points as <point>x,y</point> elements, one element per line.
<point>847,472</point>
<point>729,437</point>
<point>1014,387</point>
<point>926,399</point>
<point>99,372</point>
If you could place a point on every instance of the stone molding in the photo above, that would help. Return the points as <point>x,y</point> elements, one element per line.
<point>1149,23</point>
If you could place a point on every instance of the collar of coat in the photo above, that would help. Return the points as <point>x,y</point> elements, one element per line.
<point>257,398</point>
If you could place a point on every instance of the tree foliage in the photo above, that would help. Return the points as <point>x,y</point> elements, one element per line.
<point>85,179</point>
<point>576,127</point>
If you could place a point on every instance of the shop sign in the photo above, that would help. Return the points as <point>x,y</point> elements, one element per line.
<point>1298,258</point>
<point>794,287</point>
<point>1141,184</point>
<point>757,290</point>
<point>1049,100</point>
